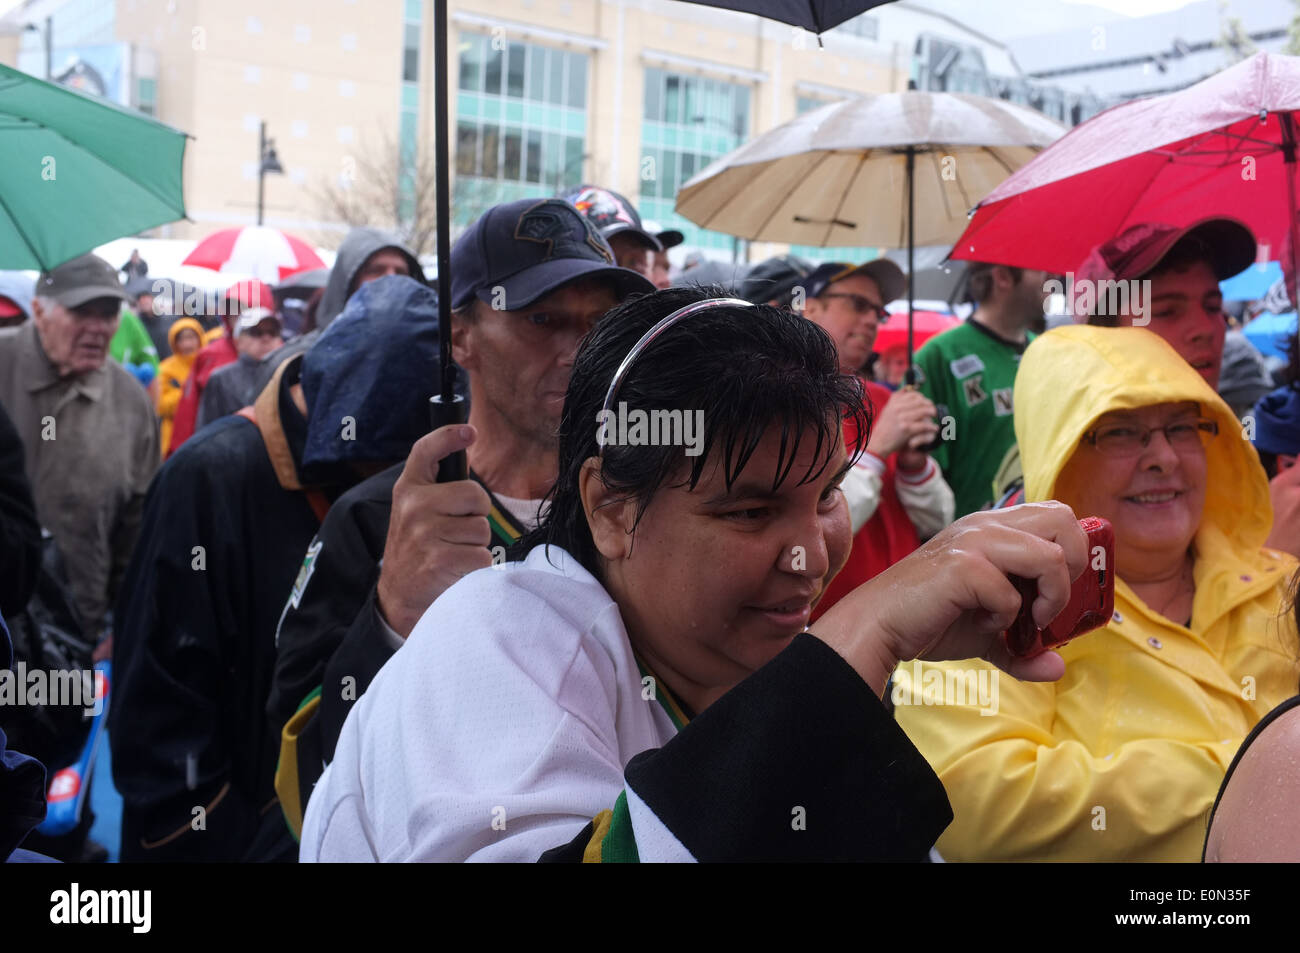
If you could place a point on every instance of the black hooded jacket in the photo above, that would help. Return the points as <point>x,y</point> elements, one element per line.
<point>226,522</point>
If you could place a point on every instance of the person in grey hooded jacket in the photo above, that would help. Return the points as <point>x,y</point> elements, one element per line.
<point>365,254</point>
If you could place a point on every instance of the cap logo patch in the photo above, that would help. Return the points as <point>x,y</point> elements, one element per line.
<point>552,224</point>
<point>602,208</point>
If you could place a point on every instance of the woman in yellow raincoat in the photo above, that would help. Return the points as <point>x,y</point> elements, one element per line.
<point>174,371</point>
<point>1121,759</point>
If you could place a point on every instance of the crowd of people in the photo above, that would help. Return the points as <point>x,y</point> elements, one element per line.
<point>598,649</point>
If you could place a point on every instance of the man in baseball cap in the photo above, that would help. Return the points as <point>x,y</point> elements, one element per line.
<point>1183,303</point>
<point>773,281</point>
<point>660,267</point>
<point>620,224</point>
<point>87,425</point>
<point>528,280</point>
<point>848,303</point>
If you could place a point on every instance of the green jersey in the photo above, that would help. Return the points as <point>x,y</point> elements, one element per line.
<point>970,372</point>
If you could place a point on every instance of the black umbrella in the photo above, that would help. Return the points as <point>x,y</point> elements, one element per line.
<point>817,16</point>
<point>448,407</point>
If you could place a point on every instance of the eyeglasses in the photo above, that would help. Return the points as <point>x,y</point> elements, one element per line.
<point>1128,440</point>
<point>861,304</point>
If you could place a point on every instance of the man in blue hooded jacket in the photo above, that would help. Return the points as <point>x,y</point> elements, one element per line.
<point>226,522</point>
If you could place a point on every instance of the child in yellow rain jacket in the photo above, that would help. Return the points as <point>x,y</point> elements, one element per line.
<point>185,337</point>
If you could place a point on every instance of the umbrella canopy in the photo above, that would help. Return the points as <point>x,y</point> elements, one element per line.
<point>307,281</point>
<point>1271,333</point>
<point>838,175</point>
<point>1220,147</point>
<point>925,325</point>
<point>78,171</point>
<point>266,253</point>
<point>1253,283</point>
<point>815,15</point>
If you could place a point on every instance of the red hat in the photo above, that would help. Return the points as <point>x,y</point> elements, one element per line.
<point>1138,250</point>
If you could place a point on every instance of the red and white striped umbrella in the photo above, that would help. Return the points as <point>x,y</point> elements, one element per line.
<point>266,253</point>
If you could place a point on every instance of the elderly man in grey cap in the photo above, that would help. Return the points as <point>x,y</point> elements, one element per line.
<point>89,431</point>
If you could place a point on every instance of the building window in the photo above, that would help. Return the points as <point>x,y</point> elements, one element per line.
<point>521,122</point>
<point>409,115</point>
<point>146,96</point>
<point>688,121</point>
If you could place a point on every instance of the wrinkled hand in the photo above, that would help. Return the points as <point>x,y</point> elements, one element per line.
<point>1284,489</point>
<point>906,422</point>
<point>951,599</point>
<point>437,533</point>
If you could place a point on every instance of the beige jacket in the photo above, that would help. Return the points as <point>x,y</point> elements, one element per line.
<point>91,447</point>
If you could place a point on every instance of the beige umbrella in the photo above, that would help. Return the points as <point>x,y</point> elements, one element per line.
<point>893,169</point>
<point>838,175</point>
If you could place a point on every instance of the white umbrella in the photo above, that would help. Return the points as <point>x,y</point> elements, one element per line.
<point>838,175</point>
<point>891,169</point>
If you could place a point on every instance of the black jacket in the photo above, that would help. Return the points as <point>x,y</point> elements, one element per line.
<point>195,645</point>
<point>20,530</point>
<point>219,545</point>
<point>331,634</point>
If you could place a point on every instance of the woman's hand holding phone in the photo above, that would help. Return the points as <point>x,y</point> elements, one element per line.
<point>953,598</point>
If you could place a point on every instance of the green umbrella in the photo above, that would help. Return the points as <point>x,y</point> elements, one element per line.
<point>77,171</point>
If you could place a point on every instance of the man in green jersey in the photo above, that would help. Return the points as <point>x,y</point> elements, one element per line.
<point>969,373</point>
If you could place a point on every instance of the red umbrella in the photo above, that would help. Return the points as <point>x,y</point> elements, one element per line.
<point>1226,146</point>
<point>925,325</point>
<point>266,253</point>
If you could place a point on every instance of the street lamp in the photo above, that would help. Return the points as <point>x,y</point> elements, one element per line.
<point>49,45</point>
<point>267,161</point>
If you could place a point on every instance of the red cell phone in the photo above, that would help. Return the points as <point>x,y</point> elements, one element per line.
<point>1092,598</point>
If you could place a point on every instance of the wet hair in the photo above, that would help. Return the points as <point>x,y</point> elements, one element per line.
<point>748,369</point>
<point>979,280</point>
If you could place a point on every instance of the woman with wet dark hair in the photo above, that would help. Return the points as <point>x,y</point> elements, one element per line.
<point>643,683</point>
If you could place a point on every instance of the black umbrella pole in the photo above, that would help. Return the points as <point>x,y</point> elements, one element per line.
<point>447,407</point>
<point>910,378</point>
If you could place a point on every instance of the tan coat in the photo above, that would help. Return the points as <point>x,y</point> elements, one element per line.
<point>91,448</point>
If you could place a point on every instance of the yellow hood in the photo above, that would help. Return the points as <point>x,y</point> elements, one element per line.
<point>1072,375</point>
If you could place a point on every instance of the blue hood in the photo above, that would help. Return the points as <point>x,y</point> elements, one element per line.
<point>377,363</point>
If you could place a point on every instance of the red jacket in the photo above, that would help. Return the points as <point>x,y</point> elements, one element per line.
<point>216,355</point>
<point>885,538</point>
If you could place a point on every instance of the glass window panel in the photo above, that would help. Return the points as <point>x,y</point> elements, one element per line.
<point>668,173</point>
<point>515,71</point>
<point>577,81</point>
<point>514,145</point>
<point>471,62</point>
<point>466,148</point>
<point>688,166</point>
<point>413,10</point>
<point>552,159</point>
<point>741,108</point>
<point>411,53</point>
<point>515,112</point>
<point>492,70</point>
<point>573,171</point>
<point>533,160</point>
<point>672,99</point>
<point>536,87</point>
<point>555,77</point>
<point>648,171</point>
<point>491,143</point>
<point>653,95</point>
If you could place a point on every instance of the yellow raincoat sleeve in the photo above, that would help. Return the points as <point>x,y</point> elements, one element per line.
<point>1018,793</point>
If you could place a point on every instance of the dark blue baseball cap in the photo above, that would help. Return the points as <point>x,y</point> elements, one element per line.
<point>528,249</point>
